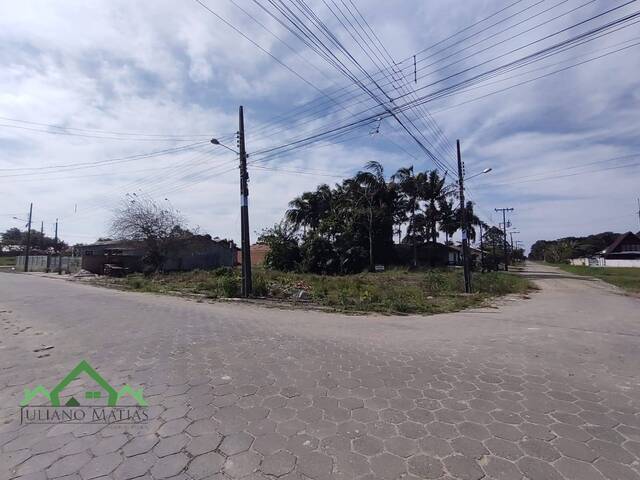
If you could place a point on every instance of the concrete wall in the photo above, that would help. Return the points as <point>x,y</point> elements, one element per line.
<point>622,263</point>
<point>49,263</point>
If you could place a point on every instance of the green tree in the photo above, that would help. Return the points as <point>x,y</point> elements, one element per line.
<point>284,251</point>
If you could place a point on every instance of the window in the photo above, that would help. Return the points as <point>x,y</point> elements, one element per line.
<point>88,253</point>
<point>631,248</point>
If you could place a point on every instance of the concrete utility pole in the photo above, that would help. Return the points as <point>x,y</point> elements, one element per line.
<point>247,285</point>
<point>481,249</point>
<point>57,250</point>
<point>26,253</point>
<point>504,230</point>
<point>41,234</point>
<point>639,210</point>
<point>463,220</point>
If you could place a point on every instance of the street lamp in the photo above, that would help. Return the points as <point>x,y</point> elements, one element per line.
<point>215,141</point>
<point>486,170</point>
<point>247,284</point>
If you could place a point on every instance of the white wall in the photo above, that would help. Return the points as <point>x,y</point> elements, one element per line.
<point>622,263</point>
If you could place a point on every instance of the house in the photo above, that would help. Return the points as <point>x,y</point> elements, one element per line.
<point>623,252</point>
<point>258,253</point>
<point>187,253</point>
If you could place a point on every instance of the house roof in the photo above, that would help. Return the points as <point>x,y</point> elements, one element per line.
<point>611,248</point>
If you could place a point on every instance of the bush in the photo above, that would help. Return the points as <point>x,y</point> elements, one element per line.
<point>229,286</point>
<point>319,256</point>
<point>284,252</point>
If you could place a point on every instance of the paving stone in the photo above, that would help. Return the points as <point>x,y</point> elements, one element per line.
<point>278,464</point>
<point>37,463</point>
<point>577,470</point>
<point>350,465</point>
<point>49,444</point>
<point>615,471</point>
<point>505,431</point>
<point>469,447</point>
<point>140,445</point>
<point>500,469</point>
<point>101,466</point>
<point>203,444</point>
<point>401,446</point>
<point>173,427</point>
<point>133,467</point>
<point>611,451</point>
<point>463,468</point>
<point>577,450</point>
<point>473,430</point>
<point>68,465</point>
<point>242,464</point>
<point>315,465</point>
<point>503,448</point>
<point>536,469</point>
<point>539,449</point>
<point>388,467</point>
<point>110,444</point>
<point>367,445</point>
<point>236,443</point>
<point>170,445</point>
<point>205,466</point>
<point>424,466</point>
<point>435,446</point>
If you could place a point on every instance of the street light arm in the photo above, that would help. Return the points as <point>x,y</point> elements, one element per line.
<point>215,141</point>
<point>486,170</point>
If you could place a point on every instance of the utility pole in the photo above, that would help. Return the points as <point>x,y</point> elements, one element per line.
<point>481,250</point>
<point>26,256</point>
<point>57,250</point>
<point>504,230</point>
<point>41,234</point>
<point>639,210</point>
<point>247,286</point>
<point>463,217</point>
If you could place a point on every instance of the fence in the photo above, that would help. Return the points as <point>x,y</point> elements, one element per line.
<point>49,263</point>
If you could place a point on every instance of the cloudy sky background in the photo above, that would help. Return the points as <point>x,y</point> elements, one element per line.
<point>117,80</point>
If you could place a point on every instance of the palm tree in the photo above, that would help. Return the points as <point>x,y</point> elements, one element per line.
<point>432,191</point>
<point>299,213</point>
<point>449,223</point>
<point>408,187</point>
<point>472,221</point>
<point>372,189</point>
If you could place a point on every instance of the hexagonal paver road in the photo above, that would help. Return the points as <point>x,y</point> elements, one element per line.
<point>542,388</point>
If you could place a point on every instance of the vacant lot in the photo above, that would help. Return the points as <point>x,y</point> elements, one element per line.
<point>627,278</point>
<point>395,291</point>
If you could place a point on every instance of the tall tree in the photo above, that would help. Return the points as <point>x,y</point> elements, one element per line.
<point>432,191</point>
<point>144,220</point>
<point>408,188</point>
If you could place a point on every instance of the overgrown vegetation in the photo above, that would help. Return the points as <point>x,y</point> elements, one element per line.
<point>7,261</point>
<point>626,278</point>
<point>350,227</point>
<point>395,291</point>
<point>562,249</point>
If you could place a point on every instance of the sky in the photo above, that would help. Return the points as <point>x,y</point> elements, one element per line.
<point>104,99</point>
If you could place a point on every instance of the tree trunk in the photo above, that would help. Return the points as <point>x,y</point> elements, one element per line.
<point>413,238</point>
<point>371,267</point>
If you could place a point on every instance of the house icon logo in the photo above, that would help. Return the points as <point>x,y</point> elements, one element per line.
<point>100,403</point>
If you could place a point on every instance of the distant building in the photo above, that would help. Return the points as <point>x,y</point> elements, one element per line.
<point>258,253</point>
<point>189,253</point>
<point>623,252</point>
